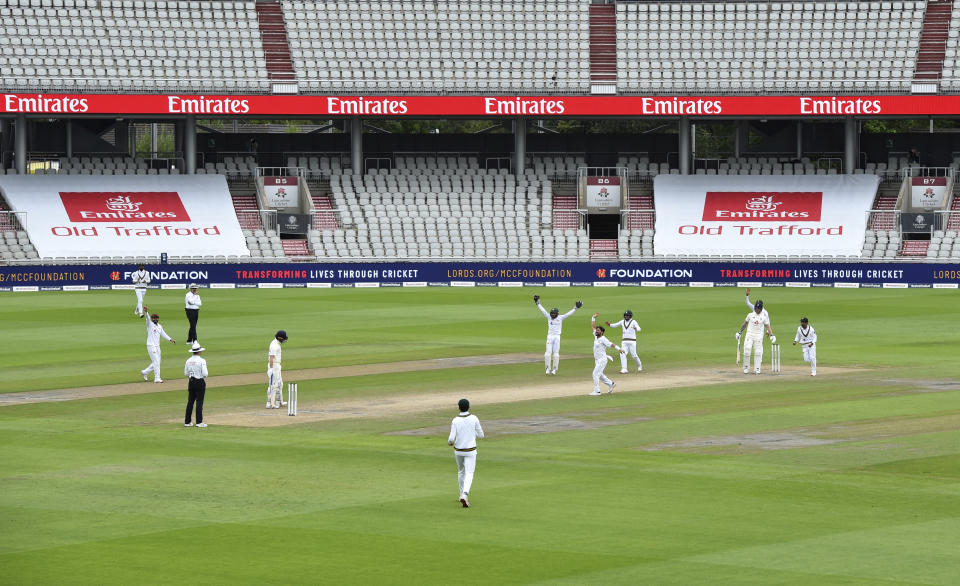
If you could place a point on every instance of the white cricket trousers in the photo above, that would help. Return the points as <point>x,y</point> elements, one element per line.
<point>275,386</point>
<point>154,352</point>
<point>551,357</point>
<point>598,375</point>
<point>810,355</point>
<point>140,293</point>
<point>466,464</point>
<point>629,347</point>
<point>755,344</point>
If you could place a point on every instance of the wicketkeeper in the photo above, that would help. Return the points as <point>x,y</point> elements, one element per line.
<point>274,376</point>
<point>551,357</point>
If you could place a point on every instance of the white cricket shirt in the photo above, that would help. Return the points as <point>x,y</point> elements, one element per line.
<point>805,337</point>
<point>630,329</point>
<point>554,326</point>
<point>755,324</point>
<point>600,346</point>
<point>464,431</point>
<point>192,300</point>
<point>154,332</point>
<point>275,352</point>
<point>140,279</point>
<point>196,367</point>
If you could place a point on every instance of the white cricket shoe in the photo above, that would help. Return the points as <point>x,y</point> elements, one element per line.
<point>158,380</point>
<point>640,368</point>
<point>554,371</point>
<point>612,384</point>
<point>624,371</point>
<point>596,393</point>
<point>188,424</point>
<point>464,501</point>
<point>813,374</point>
<point>269,406</point>
<point>201,425</point>
<point>144,376</point>
<point>757,371</point>
<point>548,372</point>
<point>746,370</point>
<point>283,404</point>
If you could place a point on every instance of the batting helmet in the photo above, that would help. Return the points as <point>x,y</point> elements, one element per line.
<point>555,312</point>
<point>759,305</point>
<point>628,313</point>
<point>281,334</point>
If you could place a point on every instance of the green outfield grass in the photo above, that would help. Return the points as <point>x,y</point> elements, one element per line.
<point>851,478</point>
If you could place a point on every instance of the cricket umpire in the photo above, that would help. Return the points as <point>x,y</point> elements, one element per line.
<point>196,371</point>
<point>192,305</point>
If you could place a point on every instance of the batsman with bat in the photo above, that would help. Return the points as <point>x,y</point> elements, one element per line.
<point>274,375</point>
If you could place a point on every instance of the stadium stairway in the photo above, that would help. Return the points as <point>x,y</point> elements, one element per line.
<point>603,44</point>
<point>602,249</point>
<point>933,40</point>
<point>248,214</point>
<point>565,216</point>
<point>915,248</point>
<point>273,33</point>
<point>324,217</point>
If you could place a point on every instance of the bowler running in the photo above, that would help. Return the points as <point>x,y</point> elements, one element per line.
<point>807,337</point>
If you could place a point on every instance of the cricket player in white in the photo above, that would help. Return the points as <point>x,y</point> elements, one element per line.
<point>154,333</point>
<point>141,278</point>
<point>755,323</point>
<point>465,430</point>
<point>274,376</point>
<point>807,337</point>
<point>630,330</point>
<point>554,328</point>
<point>600,358</point>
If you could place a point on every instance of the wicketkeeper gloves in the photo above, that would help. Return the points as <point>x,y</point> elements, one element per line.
<point>579,304</point>
<point>536,299</point>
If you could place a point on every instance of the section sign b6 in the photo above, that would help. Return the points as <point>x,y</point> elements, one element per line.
<point>128,206</point>
<point>762,206</point>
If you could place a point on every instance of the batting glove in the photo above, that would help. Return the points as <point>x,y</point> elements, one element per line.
<point>773,339</point>
<point>737,336</point>
<point>536,299</point>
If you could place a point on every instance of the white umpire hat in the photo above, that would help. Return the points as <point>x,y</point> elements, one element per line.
<point>197,347</point>
<point>193,286</point>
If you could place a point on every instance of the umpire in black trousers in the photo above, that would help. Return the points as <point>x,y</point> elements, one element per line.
<point>196,371</point>
<point>192,305</point>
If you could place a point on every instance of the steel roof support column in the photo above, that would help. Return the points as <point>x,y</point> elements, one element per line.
<point>851,145</point>
<point>684,146</point>
<point>519,145</point>
<point>20,144</point>
<point>356,145</point>
<point>190,144</point>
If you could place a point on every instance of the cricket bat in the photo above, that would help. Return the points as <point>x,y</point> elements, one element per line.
<point>738,351</point>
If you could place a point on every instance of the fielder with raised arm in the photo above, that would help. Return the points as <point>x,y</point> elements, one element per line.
<point>141,278</point>
<point>600,357</point>
<point>554,327</point>
<point>630,330</point>
<point>755,324</point>
<point>154,333</point>
<point>274,375</point>
<point>807,337</point>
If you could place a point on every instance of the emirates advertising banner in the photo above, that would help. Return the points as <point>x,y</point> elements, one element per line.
<point>928,192</point>
<point>603,193</point>
<point>762,214</point>
<point>281,192</point>
<point>135,215</point>
<point>480,106</point>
